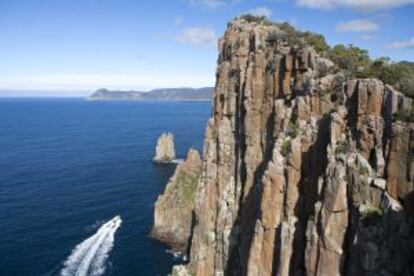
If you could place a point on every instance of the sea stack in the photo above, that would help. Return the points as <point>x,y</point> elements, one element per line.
<point>306,170</point>
<point>164,151</point>
<point>173,210</point>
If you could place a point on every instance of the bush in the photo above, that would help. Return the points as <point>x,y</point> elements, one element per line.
<point>350,58</point>
<point>406,86</point>
<point>370,214</point>
<point>317,41</point>
<point>285,148</point>
<point>399,75</point>
<point>255,18</point>
<point>403,116</point>
<point>342,148</point>
<point>354,60</point>
<point>363,170</point>
<point>293,129</point>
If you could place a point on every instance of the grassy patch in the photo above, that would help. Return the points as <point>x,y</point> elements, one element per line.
<point>363,170</point>
<point>293,130</point>
<point>286,147</point>
<point>370,214</point>
<point>186,186</point>
<point>342,148</point>
<point>403,116</point>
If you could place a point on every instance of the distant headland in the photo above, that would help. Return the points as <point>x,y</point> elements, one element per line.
<point>166,94</point>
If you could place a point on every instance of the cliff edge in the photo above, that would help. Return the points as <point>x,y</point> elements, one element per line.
<point>173,215</point>
<point>306,170</point>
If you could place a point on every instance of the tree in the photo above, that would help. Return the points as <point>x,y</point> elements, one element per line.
<point>317,41</point>
<point>351,58</point>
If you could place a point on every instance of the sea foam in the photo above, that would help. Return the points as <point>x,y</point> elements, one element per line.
<point>89,257</point>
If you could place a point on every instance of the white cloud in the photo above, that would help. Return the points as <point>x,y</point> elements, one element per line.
<point>202,36</point>
<point>408,44</point>
<point>357,26</point>
<point>367,37</point>
<point>212,4</point>
<point>70,82</point>
<point>364,5</point>
<point>261,11</point>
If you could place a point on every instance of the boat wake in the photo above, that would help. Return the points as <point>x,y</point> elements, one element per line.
<point>89,257</point>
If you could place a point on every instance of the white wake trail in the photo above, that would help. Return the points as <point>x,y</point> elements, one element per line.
<point>88,258</point>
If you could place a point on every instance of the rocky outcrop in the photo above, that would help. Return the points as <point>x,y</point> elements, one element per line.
<point>173,215</point>
<point>305,171</point>
<point>164,151</point>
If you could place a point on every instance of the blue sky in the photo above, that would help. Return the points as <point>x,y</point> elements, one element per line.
<point>81,45</point>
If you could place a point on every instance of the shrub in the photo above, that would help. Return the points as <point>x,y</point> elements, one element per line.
<point>403,116</point>
<point>370,214</point>
<point>292,36</point>
<point>285,148</point>
<point>255,18</point>
<point>342,148</point>
<point>351,58</point>
<point>273,37</point>
<point>363,170</point>
<point>293,129</point>
<point>317,41</point>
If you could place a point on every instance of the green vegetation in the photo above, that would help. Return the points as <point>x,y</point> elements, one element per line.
<point>286,147</point>
<point>354,60</point>
<point>317,41</point>
<point>342,148</point>
<point>363,170</point>
<point>357,63</point>
<point>350,58</point>
<point>370,214</point>
<point>403,116</point>
<point>293,130</point>
<point>256,18</point>
<point>186,186</point>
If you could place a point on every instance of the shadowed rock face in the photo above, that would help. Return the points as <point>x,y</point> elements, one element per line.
<point>304,171</point>
<point>173,215</point>
<point>164,151</point>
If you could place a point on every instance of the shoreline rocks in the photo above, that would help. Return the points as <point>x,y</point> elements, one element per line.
<point>173,210</point>
<point>165,151</point>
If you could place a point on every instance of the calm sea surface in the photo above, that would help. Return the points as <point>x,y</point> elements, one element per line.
<point>67,166</point>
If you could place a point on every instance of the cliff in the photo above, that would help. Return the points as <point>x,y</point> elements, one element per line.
<point>173,215</point>
<point>167,94</point>
<point>164,150</point>
<point>306,171</point>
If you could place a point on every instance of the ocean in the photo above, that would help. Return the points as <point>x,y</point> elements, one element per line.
<point>69,167</point>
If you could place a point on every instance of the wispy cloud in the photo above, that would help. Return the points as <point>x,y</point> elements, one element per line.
<point>212,4</point>
<point>70,82</point>
<point>367,37</point>
<point>201,36</point>
<point>408,44</point>
<point>365,5</point>
<point>357,26</point>
<point>261,11</point>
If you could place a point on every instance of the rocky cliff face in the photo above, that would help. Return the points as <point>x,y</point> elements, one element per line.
<point>305,171</point>
<point>164,151</point>
<point>173,215</point>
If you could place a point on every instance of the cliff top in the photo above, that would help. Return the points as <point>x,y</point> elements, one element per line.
<point>352,61</point>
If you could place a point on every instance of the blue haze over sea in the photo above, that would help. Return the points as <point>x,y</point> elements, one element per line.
<point>69,165</point>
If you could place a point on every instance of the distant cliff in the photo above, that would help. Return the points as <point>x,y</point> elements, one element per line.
<point>307,170</point>
<point>167,94</point>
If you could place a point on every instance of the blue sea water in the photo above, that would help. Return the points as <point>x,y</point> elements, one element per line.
<point>69,165</point>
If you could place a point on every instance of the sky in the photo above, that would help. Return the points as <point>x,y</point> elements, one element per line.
<point>72,47</point>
